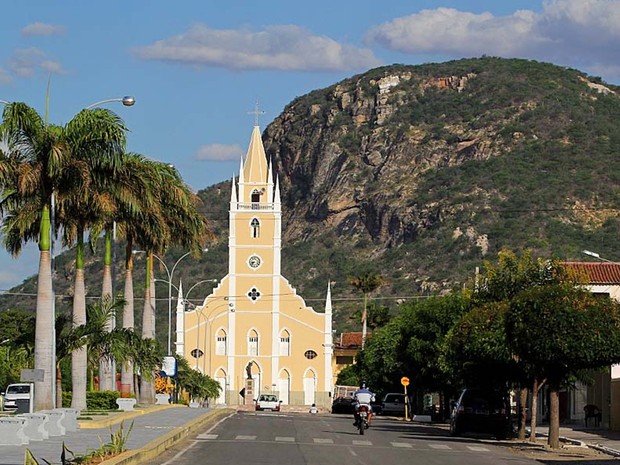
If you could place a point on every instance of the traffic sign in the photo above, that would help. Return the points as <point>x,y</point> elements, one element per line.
<point>404,381</point>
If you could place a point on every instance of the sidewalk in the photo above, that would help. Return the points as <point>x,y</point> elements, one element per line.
<point>603,439</point>
<point>154,429</point>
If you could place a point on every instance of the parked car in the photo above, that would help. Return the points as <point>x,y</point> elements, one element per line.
<point>268,402</point>
<point>343,405</point>
<point>15,392</point>
<point>393,404</point>
<point>481,411</point>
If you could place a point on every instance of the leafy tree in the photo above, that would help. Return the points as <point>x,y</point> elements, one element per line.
<point>498,284</point>
<point>559,330</point>
<point>424,325</point>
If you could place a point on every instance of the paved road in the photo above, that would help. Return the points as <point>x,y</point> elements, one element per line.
<point>302,439</point>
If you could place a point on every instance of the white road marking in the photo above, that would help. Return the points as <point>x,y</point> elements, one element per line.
<point>241,437</point>
<point>439,446</point>
<point>478,448</point>
<point>362,443</point>
<point>323,441</point>
<point>285,439</point>
<point>401,444</point>
<point>207,436</point>
<point>179,454</point>
<point>352,452</point>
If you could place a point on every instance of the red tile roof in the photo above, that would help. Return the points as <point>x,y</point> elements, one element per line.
<point>349,341</point>
<point>597,273</point>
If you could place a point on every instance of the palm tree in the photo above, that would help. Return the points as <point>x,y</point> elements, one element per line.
<point>183,226</point>
<point>96,141</point>
<point>365,283</point>
<point>32,159</point>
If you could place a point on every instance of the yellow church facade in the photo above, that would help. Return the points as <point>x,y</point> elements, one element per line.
<point>253,324</point>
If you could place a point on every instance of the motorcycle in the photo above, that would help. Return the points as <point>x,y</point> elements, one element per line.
<point>362,418</point>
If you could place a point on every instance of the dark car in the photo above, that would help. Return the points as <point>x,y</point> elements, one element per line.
<point>345,405</point>
<point>342,405</point>
<point>481,411</point>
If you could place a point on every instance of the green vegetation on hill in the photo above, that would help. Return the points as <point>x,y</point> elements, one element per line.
<point>421,182</point>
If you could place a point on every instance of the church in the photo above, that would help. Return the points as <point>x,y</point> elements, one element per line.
<point>253,333</point>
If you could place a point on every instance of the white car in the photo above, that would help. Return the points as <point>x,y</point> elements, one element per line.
<point>15,392</point>
<point>268,402</point>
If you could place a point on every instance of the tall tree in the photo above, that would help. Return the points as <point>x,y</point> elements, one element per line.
<point>96,140</point>
<point>31,164</point>
<point>366,283</point>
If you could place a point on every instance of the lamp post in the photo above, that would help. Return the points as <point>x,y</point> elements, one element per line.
<point>208,322</point>
<point>127,101</point>
<point>170,273</point>
<point>595,255</point>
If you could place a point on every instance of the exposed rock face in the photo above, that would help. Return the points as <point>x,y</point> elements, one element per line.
<point>407,155</point>
<point>346,162</point>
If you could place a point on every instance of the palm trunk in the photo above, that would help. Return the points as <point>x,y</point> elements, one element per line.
<point>58,386</point>
<point>107,368</point>
<point>554,418</point>
<point>128,317</point>
<point>147,389</point>
<point>44,326</point>
<point>364,321</point>
<point>79,356</point>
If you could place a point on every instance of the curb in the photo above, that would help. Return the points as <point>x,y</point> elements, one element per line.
<point>158,446</point>
<point>116,418</point>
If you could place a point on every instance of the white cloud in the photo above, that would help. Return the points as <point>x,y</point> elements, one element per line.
<point>219,152</point>
<point>5,77</point>
<point>26,61</point>
<point>289,48</point>
<point>42,29</point>
<point>571,32</point>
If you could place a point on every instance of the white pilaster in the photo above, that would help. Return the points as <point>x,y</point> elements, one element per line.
<point>180,344</point>
<point>328,340</point>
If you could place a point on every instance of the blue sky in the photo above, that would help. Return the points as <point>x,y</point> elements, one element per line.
<point>196,68</point>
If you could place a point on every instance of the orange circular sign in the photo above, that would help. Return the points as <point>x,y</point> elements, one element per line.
<point>404,381</point>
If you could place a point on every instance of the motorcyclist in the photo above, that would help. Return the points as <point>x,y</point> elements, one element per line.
<point>363,396</point>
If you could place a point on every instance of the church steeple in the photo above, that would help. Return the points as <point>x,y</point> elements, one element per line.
<point>255,167</point>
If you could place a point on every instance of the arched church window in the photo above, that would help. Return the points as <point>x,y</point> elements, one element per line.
<point>255,225</point>
<point>255,199</point>
<point>285,343</point>
<point>253,343</point>
<point>220,343</point>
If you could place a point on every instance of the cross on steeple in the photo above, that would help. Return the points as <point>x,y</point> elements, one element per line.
<point>256,112</point>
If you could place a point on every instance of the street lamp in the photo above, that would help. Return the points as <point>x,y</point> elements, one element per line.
<point>169,273</point>
<point>595,255</point>
<point>128,101</point>
<point>208,322</point>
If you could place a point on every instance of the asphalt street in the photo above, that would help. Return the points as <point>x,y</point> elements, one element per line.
<point>302,439</point>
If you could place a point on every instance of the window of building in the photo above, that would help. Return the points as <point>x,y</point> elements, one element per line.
<point>344,360</point>
<point>310,354</point>
<point>285,343</point>
<point>255,199</point>
<point>255,225</point>
<point>253,343</point>
<point>220,343</point>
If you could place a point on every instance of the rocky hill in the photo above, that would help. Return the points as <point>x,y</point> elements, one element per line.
<point>419,173</point>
